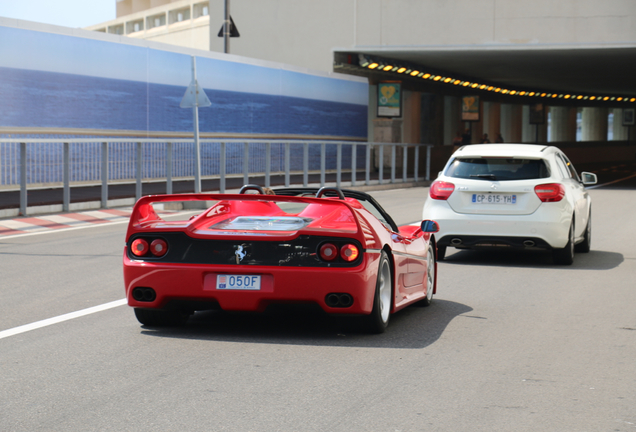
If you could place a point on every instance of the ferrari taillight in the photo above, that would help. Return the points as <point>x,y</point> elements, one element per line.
<point>441,190</point>
<point>328,252</point>
<point>158,247</point>
<point>550,192</point>
<point>139,247</point>
<point>349,252</point>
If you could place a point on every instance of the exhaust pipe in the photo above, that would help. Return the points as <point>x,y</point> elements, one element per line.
<point>144,294</point>
<point>339,300</point>
<point>456,241</point>
<point>528,243</point>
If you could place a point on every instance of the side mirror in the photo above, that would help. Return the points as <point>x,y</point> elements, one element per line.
<point>588,178</point>
<point>429,226</point>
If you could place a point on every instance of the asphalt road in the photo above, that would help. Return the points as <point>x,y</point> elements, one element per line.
<point>511,343</point>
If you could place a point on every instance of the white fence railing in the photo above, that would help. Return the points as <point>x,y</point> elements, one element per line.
<point>64,163</point>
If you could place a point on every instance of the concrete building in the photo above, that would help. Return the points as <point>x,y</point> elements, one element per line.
<point>528,66</point>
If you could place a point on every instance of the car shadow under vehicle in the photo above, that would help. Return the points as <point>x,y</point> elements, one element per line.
<point>413,327</point>
<point>593,260</point>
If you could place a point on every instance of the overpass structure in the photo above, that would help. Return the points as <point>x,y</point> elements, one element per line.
<point>519,68</point>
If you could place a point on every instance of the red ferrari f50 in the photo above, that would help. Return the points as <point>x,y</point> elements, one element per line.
<point>336,248</point>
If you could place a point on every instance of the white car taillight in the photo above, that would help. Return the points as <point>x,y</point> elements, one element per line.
<point>441,190</point>
<point>550,192</point>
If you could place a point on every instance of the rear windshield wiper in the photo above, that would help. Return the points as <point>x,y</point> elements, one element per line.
<point>485,176</point>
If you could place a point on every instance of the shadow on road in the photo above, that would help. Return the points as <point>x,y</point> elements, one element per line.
<point>412,327</point>
<point>594,260</point>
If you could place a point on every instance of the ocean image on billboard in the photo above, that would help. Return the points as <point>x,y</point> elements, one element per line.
<point>58,81</point>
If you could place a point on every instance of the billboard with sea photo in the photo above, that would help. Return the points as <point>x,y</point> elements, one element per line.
<point>90,84</point>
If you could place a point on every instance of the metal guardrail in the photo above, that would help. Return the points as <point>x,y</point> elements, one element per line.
<point>63,163</point>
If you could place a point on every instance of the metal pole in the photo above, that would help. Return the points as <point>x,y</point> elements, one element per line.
<point>367,162</point>
<point>305,164</point>
<point>354,164</point>
<point>338,164</point>
<point>139,171</point>
<point>286,164</point>
<point>66,199</point>
<point>226,28</point>
<point>393,148</point>
<point>404,163</point>
<point>417,162</point>
<point>104,175</point>
<point>381,167</point>
<point>222,169</point>
<point>197,145</point>
<point>322,164</point>
<point>169,168</point>
<point>246,164</point>
<point>268,163</point>
<point>428,162</point>
<point>23,179</point>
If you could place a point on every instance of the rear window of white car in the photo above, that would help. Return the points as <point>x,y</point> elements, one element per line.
<point>498,169</point>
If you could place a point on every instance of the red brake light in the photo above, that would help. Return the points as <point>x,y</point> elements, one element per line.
<point>158,247</point>
<point>328,252</point>
<point>349,252</point>
<point>550,192</point>
<point>139,247</point>
<point>441,190</point>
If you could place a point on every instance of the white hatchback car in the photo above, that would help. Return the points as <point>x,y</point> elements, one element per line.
<point>505,196</point>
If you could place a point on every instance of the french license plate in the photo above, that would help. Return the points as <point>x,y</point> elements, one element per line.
<point>494,199</point>
<point>238,282</point>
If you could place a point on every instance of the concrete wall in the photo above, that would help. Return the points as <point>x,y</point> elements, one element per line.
<point>304,32</point>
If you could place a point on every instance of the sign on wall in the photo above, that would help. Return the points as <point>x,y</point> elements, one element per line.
<point>389,99</point>
<point>470,108</point>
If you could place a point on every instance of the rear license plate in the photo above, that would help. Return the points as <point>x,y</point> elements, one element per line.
<point>494,199</point>
<point>238,282</point>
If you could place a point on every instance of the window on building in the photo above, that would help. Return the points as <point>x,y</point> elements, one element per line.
<point>179,15</point>
<point>102,30</point>
<point>156,21</point>
<point>134,26</point>
<point>201,9</point>
<point>116,29</point>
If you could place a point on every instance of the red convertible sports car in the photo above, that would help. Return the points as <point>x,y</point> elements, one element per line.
<point>335,248</point>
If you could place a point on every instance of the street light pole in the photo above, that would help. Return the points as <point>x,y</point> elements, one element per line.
<point>226,28</point>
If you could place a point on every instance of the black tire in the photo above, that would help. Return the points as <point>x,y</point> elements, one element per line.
<point>586,245</point>
<point>441,253</point>
<point>378,321</point>
<point>161,318</point>
<point>565,256</point>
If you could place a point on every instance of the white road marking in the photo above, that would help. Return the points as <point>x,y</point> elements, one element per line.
<point>58,319</point>
<point>49,231</point>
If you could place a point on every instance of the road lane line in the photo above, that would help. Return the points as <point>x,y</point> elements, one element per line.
<point>612,182</point>
<point>58,319</point>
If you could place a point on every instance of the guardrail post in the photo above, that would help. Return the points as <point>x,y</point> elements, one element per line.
<point>354,164</point>
<point>246,163</point>
<point>417,163</point>
<point>268,163</point>
<point>393,150</point>
<point>381,167</point>
<point>139,171</point>
<point>286,164</point>
<point>66,195</point>
<point>404,163</point>
<point>322,163</point>
<point>222,169</point>
<point>169,168</point>
<point>305,164</point>
<point>23,179</point>
<point>338,164</point>
<point>104,175</point>
<point>367,174</point>
<point>428,162</point>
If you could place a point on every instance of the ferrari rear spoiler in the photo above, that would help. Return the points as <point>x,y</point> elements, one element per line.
<point>144,216</point>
